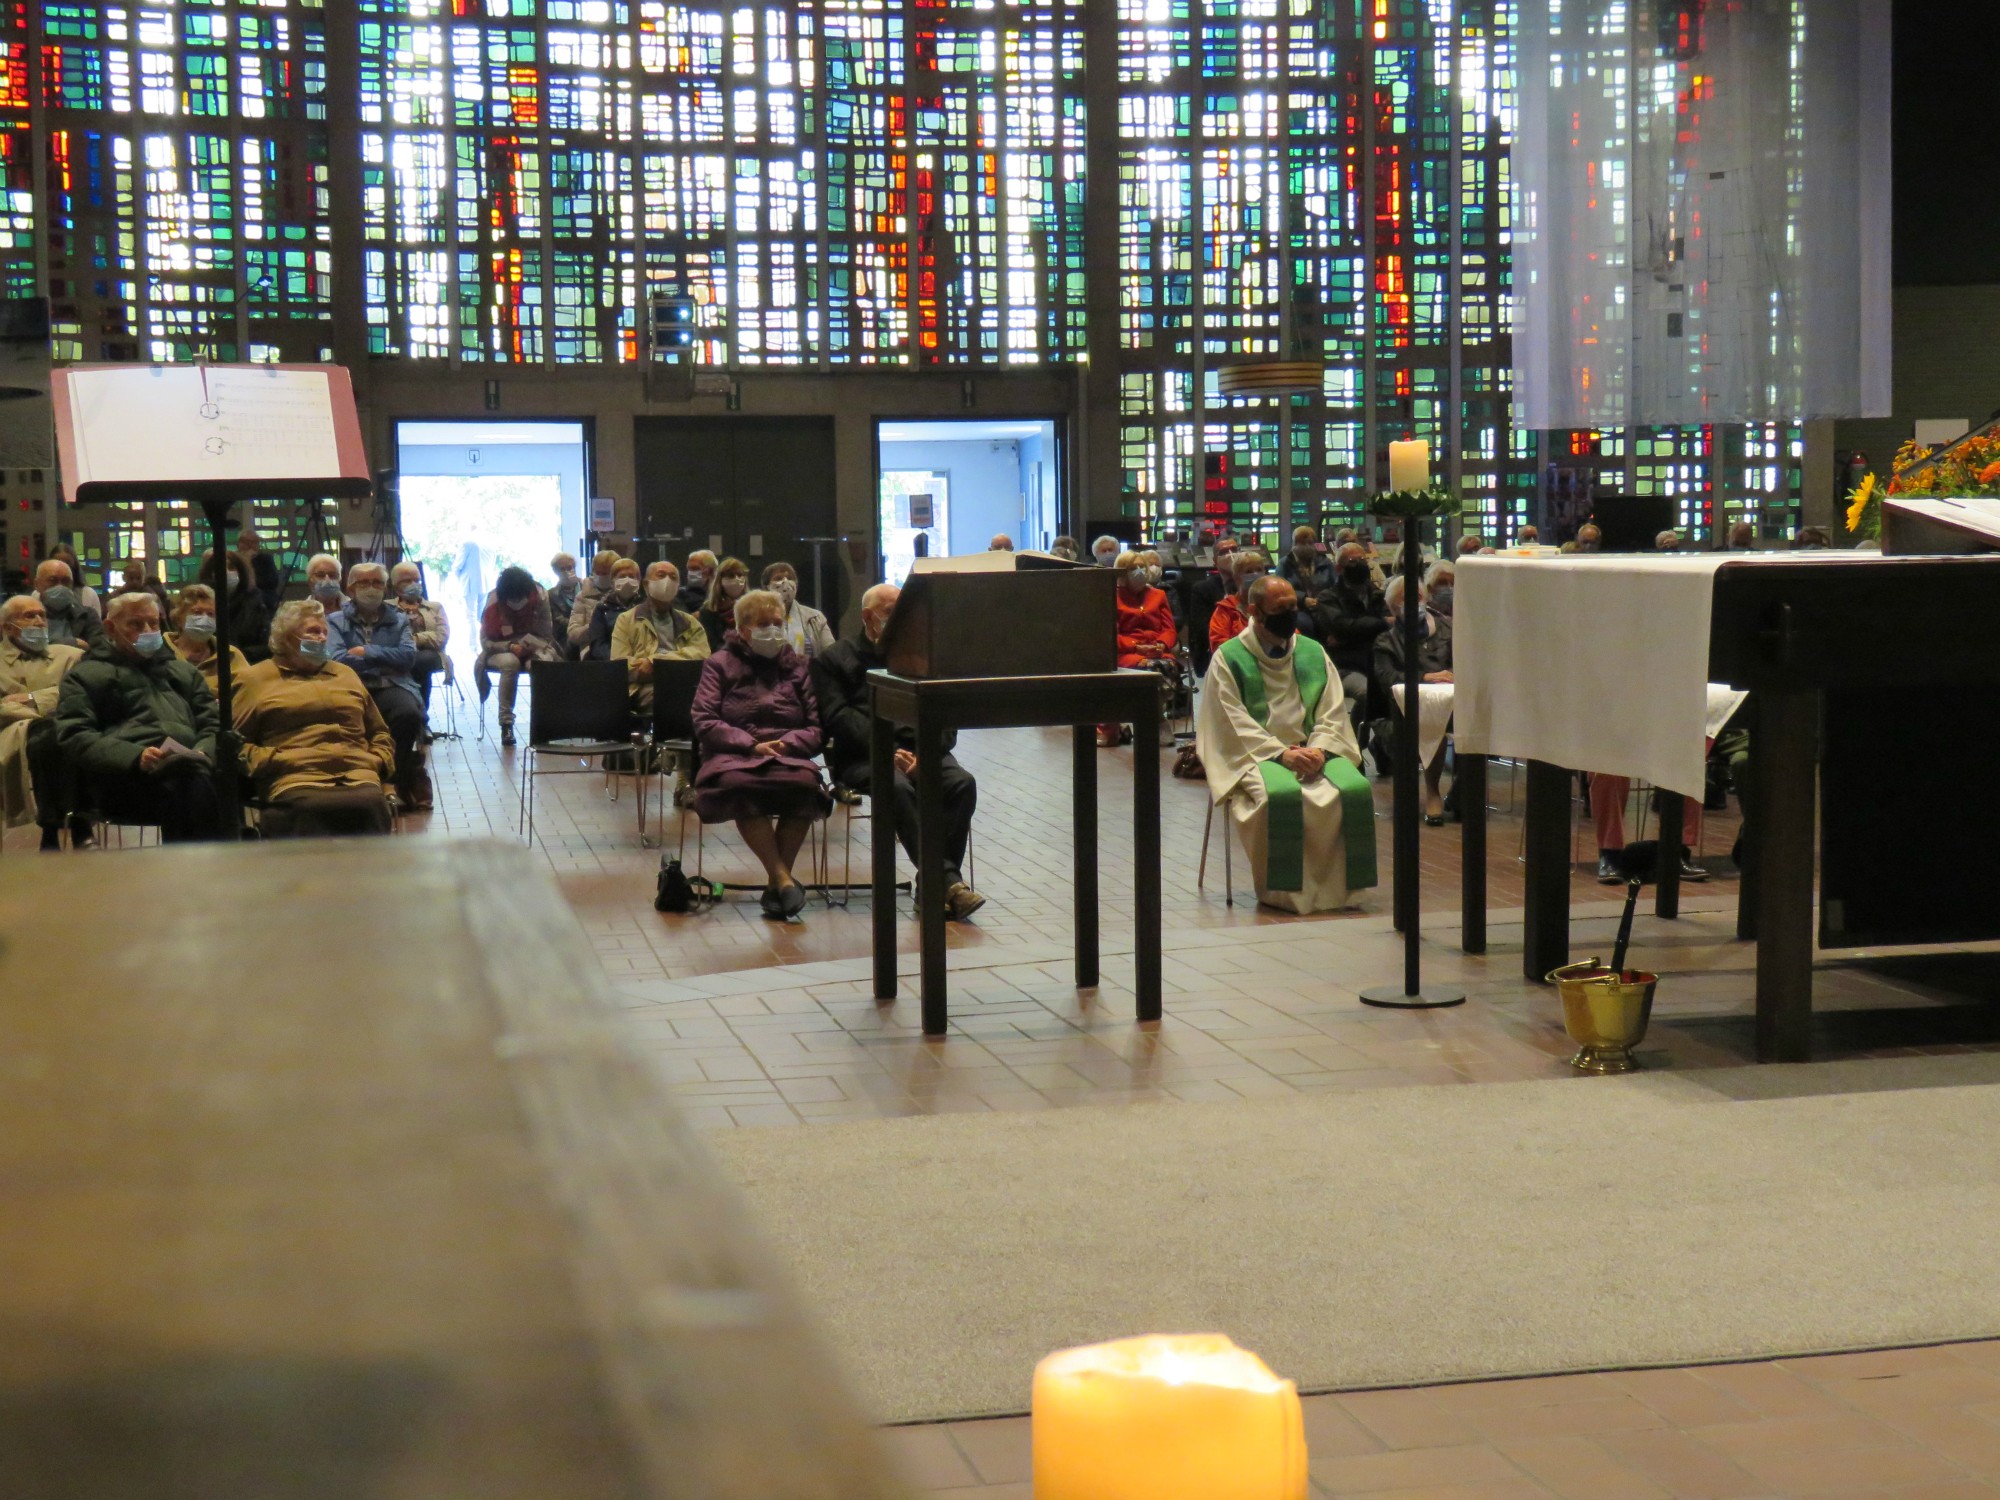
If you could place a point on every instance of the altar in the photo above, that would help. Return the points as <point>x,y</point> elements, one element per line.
<point>1604,664</point>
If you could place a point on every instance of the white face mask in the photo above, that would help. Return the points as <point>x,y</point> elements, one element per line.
<point>625,588</point>
<point>661,590</point>
<point>1154,573</point>
<point>767,640</point>
<point>786,589</point>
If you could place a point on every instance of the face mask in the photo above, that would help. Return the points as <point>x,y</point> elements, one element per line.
<point>1441,599</point>
<point>1107,559</point>
<point>1243,584</point>
<point>1355,573</point>
<point>697,579</point>
<point>1136,577</point>
<point>313,650</point>
<point>58,600</point>
<point>326,590</point>
<point>1282,622</point>
<point>661,590</point>
<point>198,625</point>
<point>149,642</point>
<point>35,637</point>
<point>413,593</point>
<point>786,589</point>
<point>1303,554</point>
<point>1154,573</point>
<point>767,640</point>
<point>732,588</point>
<point>626,588</point>
<point>369,595</point>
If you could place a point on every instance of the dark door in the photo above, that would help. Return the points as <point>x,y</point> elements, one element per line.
<point>748,487</point>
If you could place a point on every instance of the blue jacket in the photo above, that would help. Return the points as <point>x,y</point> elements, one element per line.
<point>389,649</point>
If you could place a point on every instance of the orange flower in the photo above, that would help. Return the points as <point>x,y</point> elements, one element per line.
<point>1990,474</point>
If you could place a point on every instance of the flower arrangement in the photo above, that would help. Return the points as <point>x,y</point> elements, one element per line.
<point>1436,501</point>
<point>1965,469</point>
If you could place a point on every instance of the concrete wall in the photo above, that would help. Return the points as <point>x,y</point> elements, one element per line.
<point>611,398</point>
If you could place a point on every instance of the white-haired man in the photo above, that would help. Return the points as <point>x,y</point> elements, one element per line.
<point>323,581</point>
<point>1281,759</point>
<point>656,629</point>
<point>377,642</point>
<point>127,717</point>
<point>35,776</point>
<point>70,622</point>
<point>1104,551</point>
<point>840,682</point>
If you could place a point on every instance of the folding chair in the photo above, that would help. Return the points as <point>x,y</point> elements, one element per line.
<point>1228,866</point>
<point>582,709</point>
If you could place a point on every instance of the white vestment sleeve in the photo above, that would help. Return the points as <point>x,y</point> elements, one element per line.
<point>1333,733</point>
<point>1229,741</point>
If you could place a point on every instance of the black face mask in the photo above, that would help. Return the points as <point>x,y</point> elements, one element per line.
<point>1281,622</point>
<point>1355,573</point>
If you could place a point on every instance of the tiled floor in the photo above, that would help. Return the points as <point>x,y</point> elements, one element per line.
<point>758,1023</point>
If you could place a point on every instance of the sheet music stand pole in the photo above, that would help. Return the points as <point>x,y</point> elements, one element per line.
<point>1411,995</point>
<point>228,745</point>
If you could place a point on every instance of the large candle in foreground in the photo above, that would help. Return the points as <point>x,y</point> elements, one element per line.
<point>1410,465</point>
<point>1166,1417</point>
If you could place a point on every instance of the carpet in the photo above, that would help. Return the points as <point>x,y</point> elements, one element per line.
<point>1400,1237</point>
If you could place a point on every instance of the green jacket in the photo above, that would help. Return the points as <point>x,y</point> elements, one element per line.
<point>113,707</point>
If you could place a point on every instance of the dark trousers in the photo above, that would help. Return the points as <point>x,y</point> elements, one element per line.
<point>179,800</point>
<point>52,774</point>
<point>429,664</point>
<point>405,717</point>
<point>327,811</point>
<point>961,796</point>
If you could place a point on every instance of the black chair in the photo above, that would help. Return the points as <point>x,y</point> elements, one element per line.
<point>579,709</point>
<point>674,684</point>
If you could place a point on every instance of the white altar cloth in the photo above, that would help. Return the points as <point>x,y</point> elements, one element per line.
<point>1595,663</point>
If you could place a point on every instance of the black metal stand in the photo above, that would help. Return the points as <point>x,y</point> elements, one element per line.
<point>228,746</point>
<point>1411,995</point>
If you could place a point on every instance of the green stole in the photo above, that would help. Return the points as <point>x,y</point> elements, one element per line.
<point>1285,844</point>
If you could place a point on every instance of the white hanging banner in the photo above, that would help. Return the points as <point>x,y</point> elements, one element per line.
<point>1702,212</point>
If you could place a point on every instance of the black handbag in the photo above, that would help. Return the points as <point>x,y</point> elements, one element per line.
<point>677,893</point>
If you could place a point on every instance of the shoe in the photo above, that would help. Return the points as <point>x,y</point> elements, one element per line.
<point>1433,820</point>
<point>51,839</point>
<point>961,901</point>
<point>1690,871</point>
<point>683,796</point>
<point>506,736</point>
<point>1608,872</point>
<point>791,899</point>
<point>772,903</point>
<point>81,834</point>
<point>846,796</point>
<point>1108,738</point>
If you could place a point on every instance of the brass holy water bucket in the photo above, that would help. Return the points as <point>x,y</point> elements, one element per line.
<point>1605,1013</point>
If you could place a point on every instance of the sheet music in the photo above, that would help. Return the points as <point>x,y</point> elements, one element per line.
<point>168,423</point>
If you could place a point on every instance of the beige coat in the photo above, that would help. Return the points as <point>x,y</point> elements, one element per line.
<point>40,677</point>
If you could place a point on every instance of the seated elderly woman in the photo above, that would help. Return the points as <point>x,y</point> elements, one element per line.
<point>514,630</point>
<point>316,746</point>
<point>1147,635</point>
<point>756,723</point>
<point>193,635</point>
<point>1433,665</point>
<point>806,629</point>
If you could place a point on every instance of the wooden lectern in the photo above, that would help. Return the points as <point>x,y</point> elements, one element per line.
<point>993,647</point>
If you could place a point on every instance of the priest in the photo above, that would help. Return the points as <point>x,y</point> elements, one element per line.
<point>1280,755</point>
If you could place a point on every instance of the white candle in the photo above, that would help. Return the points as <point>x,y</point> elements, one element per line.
<point>1410,465</point>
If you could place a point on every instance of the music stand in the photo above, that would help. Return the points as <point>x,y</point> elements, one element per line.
<point>210,435</point>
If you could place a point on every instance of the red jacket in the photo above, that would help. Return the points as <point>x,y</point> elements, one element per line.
<point>1227,622</point>
<point>1150,620</point>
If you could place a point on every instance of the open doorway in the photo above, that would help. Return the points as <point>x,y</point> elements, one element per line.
<point>950,487</point>
<point>476,497</point>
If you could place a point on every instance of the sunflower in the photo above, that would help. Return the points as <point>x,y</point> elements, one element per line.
<point>1865,494</point>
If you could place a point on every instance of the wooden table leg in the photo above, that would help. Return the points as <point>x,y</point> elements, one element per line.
<point>1469,786</point>
<point>1083,788</point>
<point>1146,854</point>
<point>882,853</point>
<point>1785,761</point>
<point>930,872</point>
<point>1546,924</point>
<point>1667,893</point>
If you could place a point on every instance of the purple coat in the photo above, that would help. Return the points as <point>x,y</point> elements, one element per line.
<point>744,699</point>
